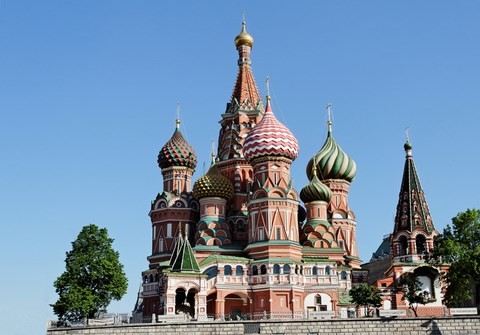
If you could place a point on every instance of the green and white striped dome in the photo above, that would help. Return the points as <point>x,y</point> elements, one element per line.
<point>332,162</point>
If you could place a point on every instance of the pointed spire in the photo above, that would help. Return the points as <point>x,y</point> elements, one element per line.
<point>185,260</point>
<point>245,93</point>
<point>176,248</point>
<point>412,208</point>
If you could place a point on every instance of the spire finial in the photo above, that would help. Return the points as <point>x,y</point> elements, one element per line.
<point>177,120</point>
<point>267,83</point>
<point>329,116</point>
<point>407,146</point>
<point>213,152</point>
<point>243,18</point>
<point>314,167</point>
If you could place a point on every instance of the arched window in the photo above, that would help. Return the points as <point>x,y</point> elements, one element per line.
<point>327,270</point>
<point>315,271</point>
<point>286,269</point>
<point>255,270</point>
<point>227,270</point>
<point>239,270</point>
<point>343,275</point>
<point>211,272</point>
<point>278,235</point>
<point>263,270</point>
<point>403,245</point>
<point>420,243</point>
<point>150,279</point>
<point>276,269</point>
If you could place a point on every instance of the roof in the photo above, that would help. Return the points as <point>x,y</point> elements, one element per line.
<point>184,260</point>
<point>383,249</point>
<point>223,258</point>
<point>344,300</point>
<point>412,208</point>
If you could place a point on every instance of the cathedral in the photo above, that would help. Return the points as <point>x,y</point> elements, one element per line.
<point>241,241</point>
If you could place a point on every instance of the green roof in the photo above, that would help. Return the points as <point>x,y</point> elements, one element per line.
<point>344,300</point>
<point>223,258</point>
<point>185,259</point>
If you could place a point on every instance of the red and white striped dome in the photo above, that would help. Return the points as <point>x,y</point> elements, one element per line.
<point>270,138</point>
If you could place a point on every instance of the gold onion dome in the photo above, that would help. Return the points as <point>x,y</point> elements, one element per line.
<point>315,191</point>
<point>213,184</point>
<point>332,162</point>
<point>244,38</point>
<point>177,152</point>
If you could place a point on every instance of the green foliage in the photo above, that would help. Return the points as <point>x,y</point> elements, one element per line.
<point>459,245</point>
<point>92,279</point>
<point>412,291</point>
<point>367,296</point>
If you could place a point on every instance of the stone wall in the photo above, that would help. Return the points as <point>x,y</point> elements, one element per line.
<point>408,326</point>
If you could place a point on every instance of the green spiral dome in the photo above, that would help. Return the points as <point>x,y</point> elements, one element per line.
<point>213,184</point>
<point>332,162</point>
<point>315,191</point>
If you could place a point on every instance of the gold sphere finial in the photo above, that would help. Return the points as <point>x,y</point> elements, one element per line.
<point>244,38</point>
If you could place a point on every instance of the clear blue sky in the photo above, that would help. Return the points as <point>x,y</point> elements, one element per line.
<point>88,91</point>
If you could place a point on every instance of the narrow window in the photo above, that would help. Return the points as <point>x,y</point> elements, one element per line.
<point>278,234</point>
<point>160,245</point>
<point>169,230</point>
<point>260,234</point>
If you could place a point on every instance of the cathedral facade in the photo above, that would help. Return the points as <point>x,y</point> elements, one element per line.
<point>241,240</point>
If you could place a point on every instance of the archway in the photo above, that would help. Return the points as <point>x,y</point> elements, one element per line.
<point>185,301</point>
<point>318,302</point>
<point>211,300</point>
<point>235,306</point>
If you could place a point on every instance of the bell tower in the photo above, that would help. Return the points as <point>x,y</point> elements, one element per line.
<point>243,112</point>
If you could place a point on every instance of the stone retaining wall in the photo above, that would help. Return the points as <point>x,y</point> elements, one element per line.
<point>408,326</point>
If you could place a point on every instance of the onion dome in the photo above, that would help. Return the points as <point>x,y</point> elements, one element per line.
<point>408,148</point>
<point>332,162</point>
<point>315,190</point>
<point>213,184</point>
<point>244,38</point>
<point>177,152</point>
<point>270,138</point>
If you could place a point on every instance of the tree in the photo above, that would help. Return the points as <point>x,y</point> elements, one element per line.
<point>92,279</point>
<point>412,291</point>
<point>367,296</point>
<point>458,246</point>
